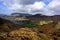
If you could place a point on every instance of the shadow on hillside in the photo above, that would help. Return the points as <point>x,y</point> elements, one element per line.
<point>6,25</point>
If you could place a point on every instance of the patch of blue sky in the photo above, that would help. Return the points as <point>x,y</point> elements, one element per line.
<point>47,1</point>
<point>4,9</point>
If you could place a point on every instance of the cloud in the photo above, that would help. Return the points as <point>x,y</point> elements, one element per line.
<point>46,7</point>
<point>54,3</point>
<point>23,2</point>
<point>26,8</point>
<point>26,2</point>
<point>14,4</point>
<point>55,6</point>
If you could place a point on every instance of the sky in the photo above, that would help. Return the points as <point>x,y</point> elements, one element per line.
<point>45,7</point>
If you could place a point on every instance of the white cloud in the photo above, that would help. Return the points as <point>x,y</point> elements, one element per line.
<point>26,8</point>
<point>55,6</point>
<point>54,3</point>
<point>37,7</point>
<point>15,6</point>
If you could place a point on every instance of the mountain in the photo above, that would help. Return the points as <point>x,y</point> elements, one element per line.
<point>17,16</point>
<point>2,15</point>
<point>44,17</point>
<point>20,14</point>
<point>11,31</point>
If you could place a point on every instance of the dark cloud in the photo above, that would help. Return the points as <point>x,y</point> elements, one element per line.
<point>27,2</point>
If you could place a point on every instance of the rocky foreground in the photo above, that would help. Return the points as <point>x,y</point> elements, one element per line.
<point>29,34</point>
<point>24,34</point>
